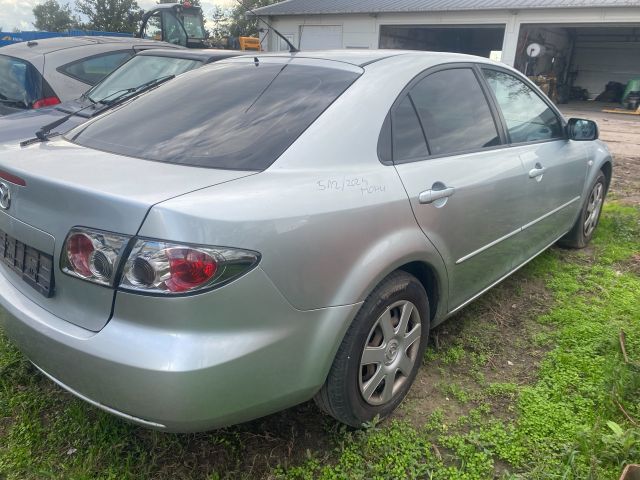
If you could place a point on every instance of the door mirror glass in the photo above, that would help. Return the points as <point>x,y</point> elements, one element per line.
<point>582,130</point>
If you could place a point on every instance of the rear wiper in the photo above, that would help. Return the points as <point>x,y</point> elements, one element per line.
<point>44,134</point>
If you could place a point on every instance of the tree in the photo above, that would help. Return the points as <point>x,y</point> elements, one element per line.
<point>241,25</point>
<point>220,17</point>
<point>110,15</point>
<point>52,17</point>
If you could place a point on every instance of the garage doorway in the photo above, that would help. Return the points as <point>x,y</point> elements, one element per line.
<point>471,39</point>
<point>320,37</point>
<point>580,59</point>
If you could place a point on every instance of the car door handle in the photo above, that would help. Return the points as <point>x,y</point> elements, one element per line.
<point>430,196</point>
<point>537,171</point>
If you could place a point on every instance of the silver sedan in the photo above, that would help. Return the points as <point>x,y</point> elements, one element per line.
<point>270,229</point>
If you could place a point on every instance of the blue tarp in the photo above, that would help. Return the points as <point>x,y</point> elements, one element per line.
<point>7,38</point>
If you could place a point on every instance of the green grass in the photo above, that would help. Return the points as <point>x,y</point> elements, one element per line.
<point>554,411</point>
<point>568,424</point>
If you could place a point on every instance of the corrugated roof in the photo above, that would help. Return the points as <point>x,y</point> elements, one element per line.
<point>311,7</point>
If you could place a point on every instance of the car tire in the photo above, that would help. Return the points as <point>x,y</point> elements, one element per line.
<point>582,232</point>
<point>380,354</point>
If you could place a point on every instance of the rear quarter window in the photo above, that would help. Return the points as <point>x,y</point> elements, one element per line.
<point>93,69</point>
<point>237,115</point>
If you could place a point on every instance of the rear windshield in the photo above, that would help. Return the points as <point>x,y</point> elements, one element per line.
<point>229,115</point>
<point>20,83</point>
<point>140,70</point>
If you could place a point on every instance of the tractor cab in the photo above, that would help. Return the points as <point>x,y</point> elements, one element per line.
<point>177,23</point>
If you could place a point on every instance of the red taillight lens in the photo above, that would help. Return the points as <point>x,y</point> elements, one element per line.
<point>79,250</point>
<point>92,255</point>
<point>189,269</point>
<point>164,268</point>
<point>153,266</point>
<point>46,102</point>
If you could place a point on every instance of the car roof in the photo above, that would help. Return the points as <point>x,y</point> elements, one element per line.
<point>354,57</point>
<point>362,58</point>
<point>203,54</point>
<point>49,45</point>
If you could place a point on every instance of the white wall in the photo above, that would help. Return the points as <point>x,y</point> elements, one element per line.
<point>363,30</point>
<point>600,63</point>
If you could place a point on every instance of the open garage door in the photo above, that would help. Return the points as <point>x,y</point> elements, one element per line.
<point>581,59</point>
<point>472,39</point>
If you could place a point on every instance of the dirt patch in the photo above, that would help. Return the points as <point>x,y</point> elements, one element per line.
<point>496,340</point>
<point>625,184</point>
<point>622,135</point>
<point>631,265</point>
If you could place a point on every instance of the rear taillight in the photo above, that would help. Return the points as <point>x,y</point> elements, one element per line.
<point>46,102</point>
<point>93,255</point>
<point>163,268</point>
<point>152,266</point>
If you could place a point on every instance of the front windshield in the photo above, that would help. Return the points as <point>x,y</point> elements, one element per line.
<point>193,25</point>
<point>140,70</point>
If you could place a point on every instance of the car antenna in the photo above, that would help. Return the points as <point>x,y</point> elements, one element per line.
<point>292,49</point>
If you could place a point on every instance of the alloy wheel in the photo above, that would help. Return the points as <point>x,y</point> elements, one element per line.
<point>594,206</point>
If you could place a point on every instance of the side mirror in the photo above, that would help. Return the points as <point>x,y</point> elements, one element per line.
<point>582,130</point>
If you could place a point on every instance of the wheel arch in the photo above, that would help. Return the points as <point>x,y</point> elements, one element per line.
<point>607,170</point>
<point>429,269</point>
<point>428,277</point>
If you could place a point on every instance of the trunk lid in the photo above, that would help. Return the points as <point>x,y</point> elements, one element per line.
<point>67,185</point>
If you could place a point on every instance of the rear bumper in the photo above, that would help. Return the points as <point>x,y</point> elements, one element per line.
<point>185,364</point>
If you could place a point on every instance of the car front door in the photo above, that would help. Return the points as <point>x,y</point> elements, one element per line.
<point>555,167</point>
<point>448,148</point>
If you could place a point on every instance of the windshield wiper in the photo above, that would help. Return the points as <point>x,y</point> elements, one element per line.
<point>8,101</point>
<point>137,90</point>
<point>44,134</point>
<point>86,96</point>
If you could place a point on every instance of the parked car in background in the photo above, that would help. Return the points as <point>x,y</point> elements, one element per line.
<point>46,72</point>
<point>274,228</point>
<point>140,72</point>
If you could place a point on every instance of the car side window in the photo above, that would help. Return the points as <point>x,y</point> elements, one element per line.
<point>93,69</point>
<point>454,112</point>
<point>528,118</point>
<point>408,140</point>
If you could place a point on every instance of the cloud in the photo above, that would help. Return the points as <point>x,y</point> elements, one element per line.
<point>19,13</point>
<point>16,13</point>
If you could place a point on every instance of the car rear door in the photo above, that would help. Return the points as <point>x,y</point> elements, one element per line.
<point>448,148</point>
<point>555,167</point>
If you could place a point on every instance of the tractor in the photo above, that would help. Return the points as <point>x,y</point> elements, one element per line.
<point>177,23</point>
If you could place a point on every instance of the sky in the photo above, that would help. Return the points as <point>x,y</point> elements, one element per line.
<point>18,13</point>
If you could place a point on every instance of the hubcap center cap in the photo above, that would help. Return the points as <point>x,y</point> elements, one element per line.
<point>391,352</point>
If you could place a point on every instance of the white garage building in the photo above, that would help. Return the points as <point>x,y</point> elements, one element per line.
<point>585,43</point>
